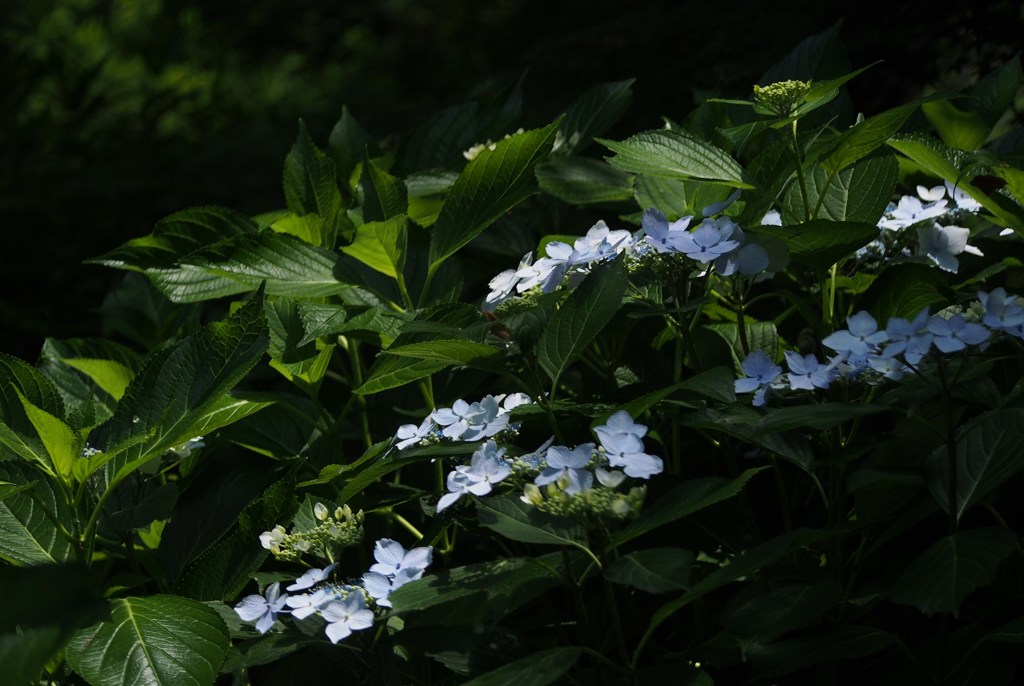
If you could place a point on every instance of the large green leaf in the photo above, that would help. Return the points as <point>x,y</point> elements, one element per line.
<point>110,375</point>
<point>581,317</point>
<point>903,290</point>
<point>177,235</point>
<point>677,197</point>
<point>674,154</point>
<point>289,266</point>
<point>20,383</point>
<point>655,570</point>
<point>745,563</point>
<point>865,137</point>
<point>514,519</point>
<point>953,568</point>
<point>935,158</point>
<point>684,500</point>
<point>384,196</point>
<point>592,114</point>
<point>27,534</point>
<point>490,185</point>
<point>381,245</point>
<point>178,388</point>
<point>311,186</point>
<point>348,144</point>
<point>452,352</point>
<point>988,453</point>
<point>858,193</point>
<point>156,640</point>
<point>538,669</point>
<point>783,609</point>
<point>392,372</point>
<point>829,646</point>
<point>63,445</point>
<point>582,181</point>
<point>820,243</point>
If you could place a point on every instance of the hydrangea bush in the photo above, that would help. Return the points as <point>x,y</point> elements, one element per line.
<point>737,399</point>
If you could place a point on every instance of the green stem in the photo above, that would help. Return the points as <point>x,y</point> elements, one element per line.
<point>613,607</point>
<point>800,172</point>
<point>951,472</point>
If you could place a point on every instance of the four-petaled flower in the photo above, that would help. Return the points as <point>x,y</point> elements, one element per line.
<point>859,338</point>
<point>568,467</point>
<point>262,609</point>
<point>956,333</point>
<point>312,578</point>
<point>392,558</point>
<point>622,440</point>
<point>345,616</point>
<point>486,467</point>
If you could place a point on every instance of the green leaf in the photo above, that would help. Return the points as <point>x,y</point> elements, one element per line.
<point>348,144</point>
<point>829,646</point>
<point>581,317</point>
<point>538,669</point>
<point>952,568</point>
<point>177,235</point>
<point>490,185</point>
<point>158,639</point>
<point>934,158</point>
<point>745,563</point>
<point>863,138</point>
<point>27,535</point>
<point>592,114</point>
<point>674,154</point>
<point>963,130</point>
<point>684,500</point>
<point>903,290</point>
<point>179,386</point>
<point>516,520</point>
<point>988,453</point>
<point>820,243</point>
<point>62,444</point>
<point>381,245</point>
<point>452,352</point>
<point>858,193</point>
<point>783,609</point>
<point>582,181</point>
<point>677,197</point>
<point>311,186</point>
<point>394,372</point>
<point>288,265</point>
<point>385,196</point>
<point>110,375</point>
<point>656,570</point>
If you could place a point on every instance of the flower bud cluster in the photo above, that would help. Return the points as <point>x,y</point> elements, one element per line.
<point>336,530</point>
<point>781,97</point>
<point>593,506</point>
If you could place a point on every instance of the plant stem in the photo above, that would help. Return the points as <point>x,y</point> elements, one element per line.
<point>800,172</point>
<point>951,471</point>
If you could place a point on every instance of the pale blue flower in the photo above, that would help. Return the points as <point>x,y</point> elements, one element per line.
<point>771,218</point>
<point>345,616</point>
<point>620,423</point>
<point>859,338</point>
<point>626,450</point>
<point>719,207</point>
<point>943,243</point>
<point>410,434</point>
<point>487,467</point>
<point>760,371</point>
<point>392,558</point>
<point>707,242</point>
<point>662,235</point>
<point>961,199</point>
<point>912,338</point>
<point>910,211</point>
<point>806,373</point>
<point>470,422</point>
<point>547,272</point>
<point>379,587</point>
<point>956,333</point>
<point>1001,310</point>
<point>569,466</point>
<point>889,367</point>
<point>312,578</point>
<point>262,609</point>
<point>305,604</point>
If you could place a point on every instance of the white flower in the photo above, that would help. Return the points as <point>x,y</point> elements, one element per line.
<point>262,609</point>
<point>271,540</point>
<point>943,243</point>
<point>312,578</point>
<point>911,211</point>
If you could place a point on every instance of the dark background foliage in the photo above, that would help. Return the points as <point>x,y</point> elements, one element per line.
<point>115,113</point>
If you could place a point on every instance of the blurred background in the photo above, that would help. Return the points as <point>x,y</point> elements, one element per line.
<point>115,113</point>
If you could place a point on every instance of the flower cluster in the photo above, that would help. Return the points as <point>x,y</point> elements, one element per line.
<point>562,261</point>
<point>581,481</point>
<point>464,421</point>
<point>864,348</point>
<point>718,241</point>
<point>941,242</point>
<point>336,530</point>
<point>344,607</point>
